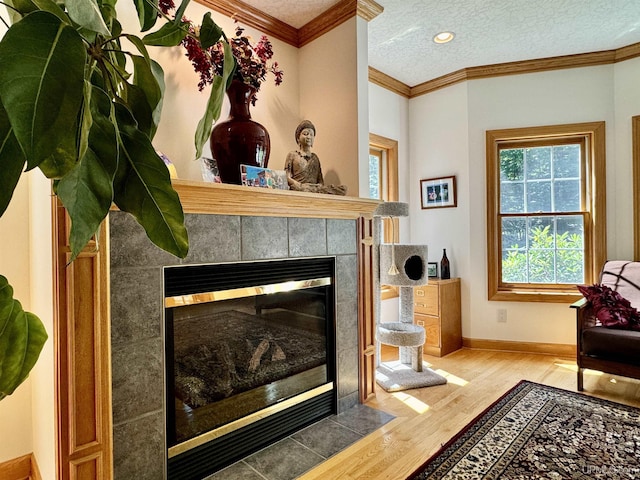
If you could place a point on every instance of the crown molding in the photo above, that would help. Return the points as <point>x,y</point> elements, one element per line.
<point>368,9</point>
<point>334,16</point>
<point>390,83</point>
<point>252,17</point>
<point>271,26</point>
<point>605,57</point>
<point>628,52</point>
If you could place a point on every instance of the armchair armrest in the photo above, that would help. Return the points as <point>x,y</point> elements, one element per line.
<point>585,318</point>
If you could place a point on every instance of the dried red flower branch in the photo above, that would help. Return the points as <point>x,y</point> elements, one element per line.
<point>252,60</point>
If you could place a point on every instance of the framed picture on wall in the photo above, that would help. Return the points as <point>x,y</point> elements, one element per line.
<point>438,192</point>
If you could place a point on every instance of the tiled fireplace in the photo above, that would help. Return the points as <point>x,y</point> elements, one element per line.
<point>137,314</point>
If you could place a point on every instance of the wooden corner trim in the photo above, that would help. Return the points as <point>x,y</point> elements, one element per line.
<point>368,9</point>
<point>21,468</point>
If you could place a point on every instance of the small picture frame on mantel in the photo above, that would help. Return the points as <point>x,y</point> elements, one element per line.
<point>432,270</point>
<point>438,192</point>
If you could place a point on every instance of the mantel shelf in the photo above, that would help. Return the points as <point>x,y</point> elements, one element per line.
<point>227,199</point>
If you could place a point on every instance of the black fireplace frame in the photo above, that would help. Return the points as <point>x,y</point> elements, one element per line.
<point>220,452</point>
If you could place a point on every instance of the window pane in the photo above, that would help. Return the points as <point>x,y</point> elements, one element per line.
<point>541,237</point>
<point>514,233</point>
<point>566,161</point>
<point>514,266</point>
<point>538,162</point>
<point>511,164</point>
<point>511,197</point>
<point>514,252</point>
<point>539,197</point>
<point>374,176</point>
<point>570,249</point>
<point>566,195</point>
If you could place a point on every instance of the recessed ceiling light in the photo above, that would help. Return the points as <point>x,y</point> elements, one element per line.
<point>444,37</point>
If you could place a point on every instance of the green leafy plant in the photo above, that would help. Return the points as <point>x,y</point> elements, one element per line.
<point>84,109</point>
<point>537,265</point>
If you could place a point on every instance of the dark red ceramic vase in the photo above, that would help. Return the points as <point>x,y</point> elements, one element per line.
<point>239,140</point>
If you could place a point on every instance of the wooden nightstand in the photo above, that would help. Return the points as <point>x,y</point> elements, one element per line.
<point>437,309</point>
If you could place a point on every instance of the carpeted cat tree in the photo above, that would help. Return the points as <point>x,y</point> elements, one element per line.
<point>403,266</point>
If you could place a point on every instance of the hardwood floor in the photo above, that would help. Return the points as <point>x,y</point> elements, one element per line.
<point>427,418</point>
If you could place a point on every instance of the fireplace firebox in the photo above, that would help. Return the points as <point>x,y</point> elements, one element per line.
<point>250,357</point>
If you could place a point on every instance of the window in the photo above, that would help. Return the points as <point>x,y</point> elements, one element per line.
<point>377,173</point>
<point>383,185</point>
<point>383,177</point>
<point>546,224</point>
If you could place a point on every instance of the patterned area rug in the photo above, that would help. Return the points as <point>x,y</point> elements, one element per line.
<point>536,431</point>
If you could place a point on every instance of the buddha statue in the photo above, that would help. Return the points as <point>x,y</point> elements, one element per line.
<point>303,166</point>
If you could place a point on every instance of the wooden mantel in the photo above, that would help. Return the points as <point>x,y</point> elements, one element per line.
<point>82,313</point>
<point>226,199</point>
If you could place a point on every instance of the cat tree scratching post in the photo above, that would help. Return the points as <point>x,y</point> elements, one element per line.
<point>403,266</point>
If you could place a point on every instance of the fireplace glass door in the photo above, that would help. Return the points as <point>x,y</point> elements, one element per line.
<point>233,354</point>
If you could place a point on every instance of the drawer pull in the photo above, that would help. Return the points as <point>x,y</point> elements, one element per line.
<point>423,305</point>
<point>420,323</point>
<point>419,293</point>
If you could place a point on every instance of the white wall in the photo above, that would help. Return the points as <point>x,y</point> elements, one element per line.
<point>438,133</point>
<point>619,184</point>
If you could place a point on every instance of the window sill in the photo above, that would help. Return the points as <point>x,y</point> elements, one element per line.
<point>534,296</point>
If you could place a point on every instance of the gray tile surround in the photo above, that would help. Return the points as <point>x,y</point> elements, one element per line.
<point>136,314</point>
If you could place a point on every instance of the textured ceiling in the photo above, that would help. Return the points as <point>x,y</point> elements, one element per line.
<point>487,31</point>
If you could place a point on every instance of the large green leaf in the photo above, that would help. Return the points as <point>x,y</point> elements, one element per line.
<point>22,336</point>
<point>87,191</point>
<point>12,161</point>
<point>138,105</point>
<point>168,35</point>
<point>210,32</point>
<point>143,188</point>
<point>86,13</point>
<point>42,65</point>
<point>28,6</point>
<point>147,13</point>
<point>214,104</point>
<point>149,78</point>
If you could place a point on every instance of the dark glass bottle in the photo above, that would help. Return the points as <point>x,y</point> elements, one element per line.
<point>445,273</point>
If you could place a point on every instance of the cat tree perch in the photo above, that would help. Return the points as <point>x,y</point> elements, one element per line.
<point>402,266</point>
